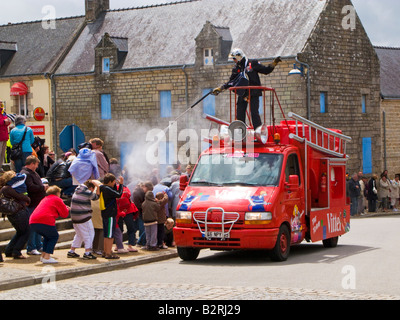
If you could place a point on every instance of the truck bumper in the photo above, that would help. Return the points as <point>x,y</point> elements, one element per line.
<point>239,239</point>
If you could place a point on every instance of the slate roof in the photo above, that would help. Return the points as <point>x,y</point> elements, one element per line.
<point>37,48</point>
<point>164,35</point>
<point>390,71</point>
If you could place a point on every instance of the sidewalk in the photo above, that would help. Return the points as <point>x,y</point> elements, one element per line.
<point>377,214</point>
<point>30,271</point>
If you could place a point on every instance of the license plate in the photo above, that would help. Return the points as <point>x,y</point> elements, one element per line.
<point>218,235</point>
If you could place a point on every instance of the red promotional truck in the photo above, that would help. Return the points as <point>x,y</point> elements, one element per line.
<point>267,189</point>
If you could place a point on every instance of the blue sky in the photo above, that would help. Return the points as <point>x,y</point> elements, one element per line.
<point>379,17</point>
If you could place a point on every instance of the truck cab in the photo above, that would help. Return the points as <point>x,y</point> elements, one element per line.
<point>264,189</point>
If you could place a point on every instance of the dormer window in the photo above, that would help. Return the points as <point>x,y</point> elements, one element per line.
<point>213,45</point>
<point>106,65</point>
<point>7,50</point>
<point>208,57</point>
<point>110,54</point>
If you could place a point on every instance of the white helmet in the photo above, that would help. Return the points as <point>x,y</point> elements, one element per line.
<point>237,54</point>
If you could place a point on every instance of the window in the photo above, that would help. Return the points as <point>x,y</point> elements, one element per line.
<point>209,103</point>
<point>364,103</point>
<point>106,106</point>
<point>165,104</point>
<point>323,102</point>
<point>257,169</point>
<point>367,155</point>
<point>23,105</point>
<point>106,65</point>
<point>292,167</point>
<point>127,152</point>
<point>208,57</point>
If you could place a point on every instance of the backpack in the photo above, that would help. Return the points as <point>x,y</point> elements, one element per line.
<point>240,80</point>
<point>56,171</point>
<point>102,203</point>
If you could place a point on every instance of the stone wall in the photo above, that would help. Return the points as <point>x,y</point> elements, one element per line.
<point>392,115</point>
<point>136,106</point>
<point>344,64</point>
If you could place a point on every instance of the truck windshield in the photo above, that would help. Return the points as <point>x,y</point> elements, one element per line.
<point>258,169</point>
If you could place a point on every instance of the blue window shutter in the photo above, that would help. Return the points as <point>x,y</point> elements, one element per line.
<point>209,103</point>
<point>106,65</point>
<point>125,149</point>
<point>367,155</point>
<point>364,103</point>
<point>106,106</point>
<point>165,104</point>
<point>322,102</point>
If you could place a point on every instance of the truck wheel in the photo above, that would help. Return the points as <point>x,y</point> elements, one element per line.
<point>282,246</point>
<point>188,254</point>
<point>330,243</point>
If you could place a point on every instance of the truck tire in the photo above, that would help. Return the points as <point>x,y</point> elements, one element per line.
<point>282,246</point>
<point>330,243</point>
<point>188,254</point>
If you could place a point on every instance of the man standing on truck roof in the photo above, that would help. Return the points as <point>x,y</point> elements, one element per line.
<point>245,73</point>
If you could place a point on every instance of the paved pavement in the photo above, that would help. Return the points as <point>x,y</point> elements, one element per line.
<point>22,273</point>
<point>30,271</point>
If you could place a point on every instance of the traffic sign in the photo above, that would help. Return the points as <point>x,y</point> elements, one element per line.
<point>71,137</point>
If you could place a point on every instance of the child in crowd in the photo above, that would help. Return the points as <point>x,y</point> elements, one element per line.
<point>162,199</point>
<point>150,209</point>
<point>81,216</point>
<point>118,236</point>
<point>98,241</point>
<point>109,193</point>
<point>125,207</point>
<point>168,233</point>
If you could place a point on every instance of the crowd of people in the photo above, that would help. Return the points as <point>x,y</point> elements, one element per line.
<point>103,198</point>
<point>92,189</point>
<point>373,194</point>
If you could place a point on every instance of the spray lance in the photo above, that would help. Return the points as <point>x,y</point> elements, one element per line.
<point>188,109</point>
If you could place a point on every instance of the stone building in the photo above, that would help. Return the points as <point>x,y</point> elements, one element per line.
<point>129,71</point>
<point>390,107</point>
<point>30,52</point>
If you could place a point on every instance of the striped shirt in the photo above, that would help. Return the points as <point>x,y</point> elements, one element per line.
<point>81,208</point>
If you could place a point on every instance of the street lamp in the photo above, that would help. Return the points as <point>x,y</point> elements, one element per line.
<point>297,70</point>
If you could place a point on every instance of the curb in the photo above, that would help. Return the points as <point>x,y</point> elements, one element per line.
<point>377,214</point>
<point>83,271</point>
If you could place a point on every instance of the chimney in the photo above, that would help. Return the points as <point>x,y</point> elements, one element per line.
<point>94,7</point>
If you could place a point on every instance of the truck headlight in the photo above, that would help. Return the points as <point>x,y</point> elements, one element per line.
<point>257,217</point>
<point>183,217</point>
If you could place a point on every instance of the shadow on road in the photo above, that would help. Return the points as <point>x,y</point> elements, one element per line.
<point>299,254</point>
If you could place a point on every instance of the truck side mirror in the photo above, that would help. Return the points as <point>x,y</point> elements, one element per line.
<point>183,182</point>
<point>293,183</point>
